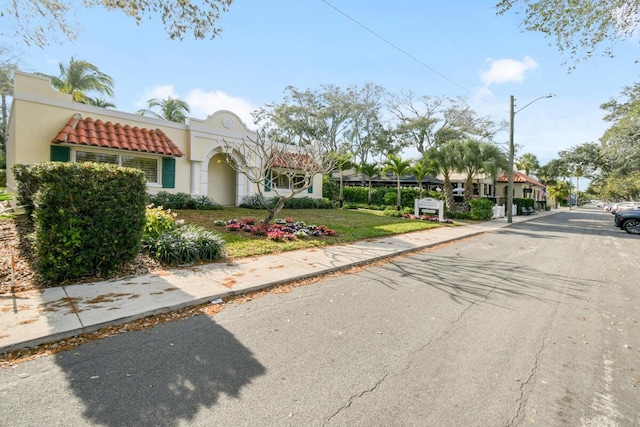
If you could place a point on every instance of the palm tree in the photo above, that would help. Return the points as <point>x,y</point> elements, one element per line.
<point>171,109</point>
<point>370,170</point>
<point>80,77</point>
<point>446,159</point>
<point>478,158</point>
<point>342,163</point>
<point>528,163</point>
<point>100,102</point>
<point>399,168</point>
<point>421,169</point>
<point>559,191</point>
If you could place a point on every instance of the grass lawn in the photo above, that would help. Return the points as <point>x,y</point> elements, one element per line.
<point>350,226</point>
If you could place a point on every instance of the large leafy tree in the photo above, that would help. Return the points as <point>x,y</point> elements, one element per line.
<point>42,22</point>
<point>170,109</point>
<point>620,144</point>
<point>399,168</point>
<point>580,28</point>
<point>80,77</point>
<point>306,116</point>
<point>366,128</point>
<point>426,121</point>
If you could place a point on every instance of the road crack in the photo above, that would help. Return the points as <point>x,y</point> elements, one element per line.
<point>357,396</point>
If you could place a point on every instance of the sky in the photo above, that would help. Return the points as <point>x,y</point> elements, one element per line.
<point>443,49</point>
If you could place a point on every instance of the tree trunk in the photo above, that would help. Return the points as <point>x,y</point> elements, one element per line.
<point>273,212</point>
<point>448,194</point>
<point>341,196</point>
<point>399,198</point>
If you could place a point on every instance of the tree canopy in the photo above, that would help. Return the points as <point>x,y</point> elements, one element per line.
<point>43,22</point>
<point>580,28</point>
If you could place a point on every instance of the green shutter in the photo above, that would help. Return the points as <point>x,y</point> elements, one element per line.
<point>310,189</point>
<point>168,172</point>
<point>60,154</point>
<point>267,181</point>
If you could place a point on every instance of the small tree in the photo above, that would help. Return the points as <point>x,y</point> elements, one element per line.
<point>342,162</point>
<point>266,163</point>
<point>399,168</point>
<point>370,170</point>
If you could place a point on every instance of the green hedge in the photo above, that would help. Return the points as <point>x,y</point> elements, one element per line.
<point>385,196</point>
<point>523,203</point>
<point>481,209</point>
<point>252,201</point>
<point>183,201</point>
<point>88,218</point>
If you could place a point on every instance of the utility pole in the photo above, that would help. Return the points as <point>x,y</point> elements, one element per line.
<point>512,113</point>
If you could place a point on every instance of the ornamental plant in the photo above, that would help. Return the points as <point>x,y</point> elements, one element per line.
<point>283,229</point>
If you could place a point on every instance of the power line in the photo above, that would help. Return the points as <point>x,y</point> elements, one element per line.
<point>409,55</point>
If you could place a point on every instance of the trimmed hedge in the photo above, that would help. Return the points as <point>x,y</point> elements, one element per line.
<point>183,201</point>
<point>88,218</point>
<point>523,203</point>
<point>481,209</point>
<point>252,201</point>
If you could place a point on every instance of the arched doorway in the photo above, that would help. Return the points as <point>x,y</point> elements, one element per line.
<point>221,181</point>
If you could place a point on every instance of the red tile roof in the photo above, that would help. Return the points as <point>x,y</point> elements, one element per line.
<point>519,177</point>
<point>290,160</point>
<point>96,133</point>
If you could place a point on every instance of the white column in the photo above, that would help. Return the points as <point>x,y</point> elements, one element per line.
<point>194,186</point>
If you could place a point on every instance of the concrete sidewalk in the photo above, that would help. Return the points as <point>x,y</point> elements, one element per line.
<point>31,318</point>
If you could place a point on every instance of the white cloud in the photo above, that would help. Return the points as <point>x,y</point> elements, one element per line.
<point>201,103</point>
<point>508,70</point>
<point>156,92</point>
<point>204,104</point>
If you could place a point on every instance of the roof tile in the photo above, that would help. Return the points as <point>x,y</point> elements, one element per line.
<point>96,133</point>
<point>519,177</point>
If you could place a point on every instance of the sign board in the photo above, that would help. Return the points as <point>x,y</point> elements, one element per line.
<point>431,205</point>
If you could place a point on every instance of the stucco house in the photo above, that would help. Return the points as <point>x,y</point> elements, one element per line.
<point>523,187</point>
<point>45,125</point>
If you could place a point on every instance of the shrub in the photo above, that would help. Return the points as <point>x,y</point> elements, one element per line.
<point>481,209</point>
<point>187,245</point>
<point>252,201</point>
<point>88,218</point>
<point>183,201</point>
<point>392,212</point>
<point>158,221</point>
<point>204,203</point>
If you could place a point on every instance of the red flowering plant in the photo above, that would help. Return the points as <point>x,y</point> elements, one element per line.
<point>282,230</point>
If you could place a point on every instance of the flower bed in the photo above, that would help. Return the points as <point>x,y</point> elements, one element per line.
<point>280,231</point>
<point>427,218</point>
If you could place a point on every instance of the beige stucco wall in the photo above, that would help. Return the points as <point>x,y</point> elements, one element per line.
<point>38,113</point>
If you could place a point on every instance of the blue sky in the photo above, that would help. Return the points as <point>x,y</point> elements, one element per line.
<point>436,48</point>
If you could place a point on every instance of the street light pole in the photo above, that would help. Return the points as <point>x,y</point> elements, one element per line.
<point>512,113</point>
<point>509,206</point>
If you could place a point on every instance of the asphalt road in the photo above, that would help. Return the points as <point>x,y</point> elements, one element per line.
<point>536,324</point>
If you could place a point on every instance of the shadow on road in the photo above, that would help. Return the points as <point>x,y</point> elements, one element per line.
<point>159,376</point>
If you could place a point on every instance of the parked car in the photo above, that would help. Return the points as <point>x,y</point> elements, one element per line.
<point>628,220</point>
<point>624,206</point>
